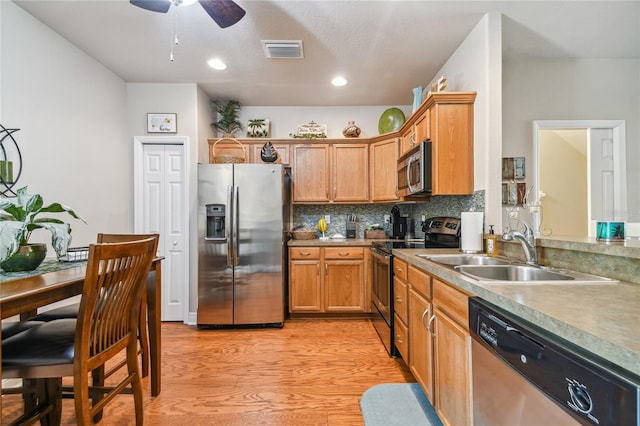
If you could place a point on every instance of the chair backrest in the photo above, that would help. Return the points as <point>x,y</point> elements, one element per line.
<point>111,297</point>
<point>122,238</point>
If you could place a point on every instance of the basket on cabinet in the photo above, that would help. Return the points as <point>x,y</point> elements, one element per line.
<point>378,234</point>
<point>227,158</point>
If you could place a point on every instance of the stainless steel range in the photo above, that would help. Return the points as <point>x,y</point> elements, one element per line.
<point>440,233</point>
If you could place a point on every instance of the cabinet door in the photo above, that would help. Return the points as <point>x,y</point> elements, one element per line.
<point>452,371</point>
<point>421,343</point>
<point>344,286</point>
<point>350,173</point>
<point>408,140</point>
<point>311,173</point>
<point>304,286</point>
<point>283,151</point>
<point>384,170</point>
<point>422,127</point>
<point>452,136</point>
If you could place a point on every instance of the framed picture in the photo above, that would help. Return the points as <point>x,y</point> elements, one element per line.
<point>162,123</point>
<point>513,168</point>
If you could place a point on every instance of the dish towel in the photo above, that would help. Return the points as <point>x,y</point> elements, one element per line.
<point>397,404</point>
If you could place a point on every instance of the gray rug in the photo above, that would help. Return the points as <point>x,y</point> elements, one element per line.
<point>397,404</point>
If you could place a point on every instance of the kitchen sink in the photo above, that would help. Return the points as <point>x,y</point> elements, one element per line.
<point>458,259</point>
<point>528,274</point>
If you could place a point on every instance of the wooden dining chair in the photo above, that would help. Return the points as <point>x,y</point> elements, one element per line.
<point>71,311</point>
<point>106,325</point>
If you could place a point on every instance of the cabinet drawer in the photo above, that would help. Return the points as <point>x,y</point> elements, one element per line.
<point>400,268</point>
<point>452,301</point>
<point>400,338</point>
<point>302,253</point>
<point>400,299</point>
<point>419,281</point>
<point>344,253</point>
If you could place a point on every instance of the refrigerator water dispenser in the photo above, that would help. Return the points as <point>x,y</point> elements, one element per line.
<point>215,221</point>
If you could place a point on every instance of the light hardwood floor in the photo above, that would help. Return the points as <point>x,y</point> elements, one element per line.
<point>311,372</point>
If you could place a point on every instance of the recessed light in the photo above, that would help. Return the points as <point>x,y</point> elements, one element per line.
<point>339,81</point>
<point>217,64</point>
<point>186,2</point>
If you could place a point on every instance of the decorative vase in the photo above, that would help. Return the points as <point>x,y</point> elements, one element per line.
<point>351,131</point>
<point>268,153</point>
<point>27,258</point>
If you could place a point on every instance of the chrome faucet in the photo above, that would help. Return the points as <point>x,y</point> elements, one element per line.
<point>527,241</point>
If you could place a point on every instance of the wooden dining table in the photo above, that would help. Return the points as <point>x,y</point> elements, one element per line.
<point>23,295</point>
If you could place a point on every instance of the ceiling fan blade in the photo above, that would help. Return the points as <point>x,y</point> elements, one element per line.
<point>224,12</point>
<point>161,6</point>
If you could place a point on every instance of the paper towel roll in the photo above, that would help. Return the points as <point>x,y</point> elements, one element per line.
<point>472,225</point>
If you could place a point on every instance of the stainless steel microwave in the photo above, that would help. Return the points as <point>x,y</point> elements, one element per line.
<point>414,171</point>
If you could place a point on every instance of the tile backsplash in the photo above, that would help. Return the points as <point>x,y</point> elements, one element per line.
<point>370,214</point>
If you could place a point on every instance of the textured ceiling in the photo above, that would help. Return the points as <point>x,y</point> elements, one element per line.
<point>384,48</point>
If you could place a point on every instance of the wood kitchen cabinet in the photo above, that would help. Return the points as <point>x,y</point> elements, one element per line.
<point>330,173</point>
<point>305,279</point>
<point>451,133</point>
<point>420,338</point>
<point>452,355</point>
<point>401,308</point>
<point>329,280</point>
<point>311,173</point>
<point>383,160</point>
<point>415,132</point>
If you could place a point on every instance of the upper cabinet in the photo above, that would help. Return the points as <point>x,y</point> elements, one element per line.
<point>383,168</point>
<point>336,172</point>
<point>451,132</point>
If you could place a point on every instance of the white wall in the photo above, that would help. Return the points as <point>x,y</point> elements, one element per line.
<point>476,65</point>
<point>284,120</point>
<point>73,139</point>
<point>572,89</point>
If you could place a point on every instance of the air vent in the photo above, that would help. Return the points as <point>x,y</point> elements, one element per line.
<point>288,49</point>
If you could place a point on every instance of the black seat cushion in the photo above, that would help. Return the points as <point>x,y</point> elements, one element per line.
<point>63,312</point>
<point>49,343</point>
<point>12,328</point>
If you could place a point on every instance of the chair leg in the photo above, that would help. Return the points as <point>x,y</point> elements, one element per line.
<point>143,336</point>
<point>81,399</point>
<point>50,392</point>
<point>98,379</point>
<point>136,383</point>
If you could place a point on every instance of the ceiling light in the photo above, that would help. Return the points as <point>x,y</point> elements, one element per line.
<point>185,2</point>
<point>217,64</point>
<point>339,81</point>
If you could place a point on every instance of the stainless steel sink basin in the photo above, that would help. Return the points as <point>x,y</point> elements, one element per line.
<point>528,274</point>
<point>457,259</point>
<point>511,273</point>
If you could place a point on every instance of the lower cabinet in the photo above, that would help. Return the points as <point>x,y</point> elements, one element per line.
<point>329,280</point>
<point>452,355</point>
<point>440,345</point>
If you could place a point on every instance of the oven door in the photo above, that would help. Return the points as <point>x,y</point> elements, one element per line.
<point>381,284</point>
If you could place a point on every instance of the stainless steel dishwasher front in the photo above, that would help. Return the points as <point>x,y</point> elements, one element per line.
<point>523,375</point>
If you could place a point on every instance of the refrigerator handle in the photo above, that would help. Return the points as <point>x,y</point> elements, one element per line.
<point>229,228</point>
<point>236,227</point>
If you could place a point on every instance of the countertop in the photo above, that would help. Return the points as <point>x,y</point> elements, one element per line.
<point>601,318</point>
<point>334,242</point>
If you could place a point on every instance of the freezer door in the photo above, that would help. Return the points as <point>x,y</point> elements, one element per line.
<point>259,283</point>
<point>215,267</point>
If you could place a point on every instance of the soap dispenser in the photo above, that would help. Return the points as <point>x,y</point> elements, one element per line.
<point>492,243</point>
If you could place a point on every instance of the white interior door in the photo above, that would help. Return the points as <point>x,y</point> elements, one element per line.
<point>161,201</point>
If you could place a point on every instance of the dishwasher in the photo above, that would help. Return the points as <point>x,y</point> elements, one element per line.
<point>524,375</point>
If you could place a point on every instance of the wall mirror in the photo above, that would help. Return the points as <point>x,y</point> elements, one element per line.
<point>579,174</point>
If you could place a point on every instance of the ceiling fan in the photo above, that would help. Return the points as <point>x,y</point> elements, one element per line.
<point>224,12</point>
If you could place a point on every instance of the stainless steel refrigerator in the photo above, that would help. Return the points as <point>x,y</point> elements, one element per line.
<point>243,210</point>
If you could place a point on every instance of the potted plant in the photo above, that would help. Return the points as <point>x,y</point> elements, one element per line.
<point>17,222</point>
<point>227,114</point>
